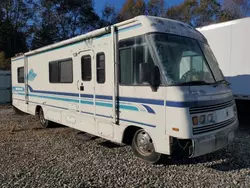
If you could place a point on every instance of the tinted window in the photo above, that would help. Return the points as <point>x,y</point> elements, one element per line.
<point>86,68</point>
<point>61,71</point>
<point>20,75</point>
<point>100,68</point>
<point>126,63</point>
<point>66,71</point>
<point>53,72</point>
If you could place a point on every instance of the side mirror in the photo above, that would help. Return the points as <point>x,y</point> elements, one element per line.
<point>145,72</point>
<point>151,74</point>
<point>156,79</point>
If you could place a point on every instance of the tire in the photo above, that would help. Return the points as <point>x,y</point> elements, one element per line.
<point>143,147</point>
<point>44,122</point>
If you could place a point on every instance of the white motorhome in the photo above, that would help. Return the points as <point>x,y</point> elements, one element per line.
<point>149,82</point>
<point>230,43</point>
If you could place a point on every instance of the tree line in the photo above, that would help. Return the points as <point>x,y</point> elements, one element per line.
<point>30,24</point>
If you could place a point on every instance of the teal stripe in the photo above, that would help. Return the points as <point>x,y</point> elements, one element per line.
<point>55,98</point>
<point>103,104</point>
<point>124,107</point>
<point>20,94</point>
<point>87,102</point>
<point>103,36</point>
<point>132,108</point>
<point>18,88</point>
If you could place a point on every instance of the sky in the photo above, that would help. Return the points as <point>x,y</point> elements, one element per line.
<point>99,4</point>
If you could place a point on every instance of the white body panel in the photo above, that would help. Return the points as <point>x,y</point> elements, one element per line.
<point>92,109</point>
<point>230,44</point>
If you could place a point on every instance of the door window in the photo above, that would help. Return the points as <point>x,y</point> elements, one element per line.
<point>20,75</point>
<point>100,68</point>
<point>86,68</point>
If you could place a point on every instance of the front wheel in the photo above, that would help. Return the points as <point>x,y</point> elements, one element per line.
<point>44,122</point>
<point>143,147</point>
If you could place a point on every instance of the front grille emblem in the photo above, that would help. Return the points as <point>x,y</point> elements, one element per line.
<point>227,113</point>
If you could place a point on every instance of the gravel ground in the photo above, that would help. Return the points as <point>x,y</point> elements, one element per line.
<point>35,157</point>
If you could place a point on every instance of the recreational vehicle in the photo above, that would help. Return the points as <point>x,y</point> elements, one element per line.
<point>149,82</point>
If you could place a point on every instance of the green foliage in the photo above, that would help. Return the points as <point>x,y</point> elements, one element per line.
<point>127,11</point>
<point>234,9</point>
<point>204,12</point>
<point>109,15</point>
<point>185,12</point>
<point>4,63</point>
<point>132,8</point>
<point>156,8</point>
<point>62,19</point>
<point>14,15</point>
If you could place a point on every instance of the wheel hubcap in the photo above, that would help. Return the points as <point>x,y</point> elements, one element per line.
<point>144,143</point>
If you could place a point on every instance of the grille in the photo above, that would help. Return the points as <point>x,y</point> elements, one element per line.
<point>195,110</point>
<point>213,127</point>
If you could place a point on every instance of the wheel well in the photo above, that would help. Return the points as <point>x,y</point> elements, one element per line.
<point>129,134</point>
<point>38,109</point>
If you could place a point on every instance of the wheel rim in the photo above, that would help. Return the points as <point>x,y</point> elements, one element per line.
<point>42,119</point>
<point>144,143</point>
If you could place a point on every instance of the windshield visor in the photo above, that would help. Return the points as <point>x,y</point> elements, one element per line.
<point>183,61</point>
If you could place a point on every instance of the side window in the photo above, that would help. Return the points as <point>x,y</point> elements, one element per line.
<point>86,68</point>
<point>53,72</point>
<point>61,71</point>
<point>66,71</point>
<point>100,68</point>
<point>20,75</point>
<point>133,52</point>
<point>126,66</point>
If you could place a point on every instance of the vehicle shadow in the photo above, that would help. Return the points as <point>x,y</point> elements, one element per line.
<point>110,145</point>
<point>234,157</point>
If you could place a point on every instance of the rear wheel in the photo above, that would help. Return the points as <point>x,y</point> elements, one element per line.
<point>143,147</point>
<point>44,122</point>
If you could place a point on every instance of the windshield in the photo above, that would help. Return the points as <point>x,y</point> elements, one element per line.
<point>212,61</point>
<point>183,61</point>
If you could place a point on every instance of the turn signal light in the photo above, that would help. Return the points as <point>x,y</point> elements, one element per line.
<point>195,120</point>
<point>202,119</point>
<point>175,129</point>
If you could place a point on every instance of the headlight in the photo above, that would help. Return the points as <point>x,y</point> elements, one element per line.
<point>202,119</point>
<point>210,118</point>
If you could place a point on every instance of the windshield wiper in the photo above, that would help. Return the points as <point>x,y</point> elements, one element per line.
<point>195,83</point>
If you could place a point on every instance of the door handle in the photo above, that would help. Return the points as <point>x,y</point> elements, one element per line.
<point>81,88</point>
<point>77,84</point>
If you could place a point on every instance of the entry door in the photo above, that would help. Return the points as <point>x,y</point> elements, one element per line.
<point>86,89</point>
<point>104,86</point>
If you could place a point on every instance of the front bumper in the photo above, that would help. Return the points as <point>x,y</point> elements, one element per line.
<point>213,142</point>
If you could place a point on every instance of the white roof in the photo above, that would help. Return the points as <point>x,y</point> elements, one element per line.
<point>223,24</point>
